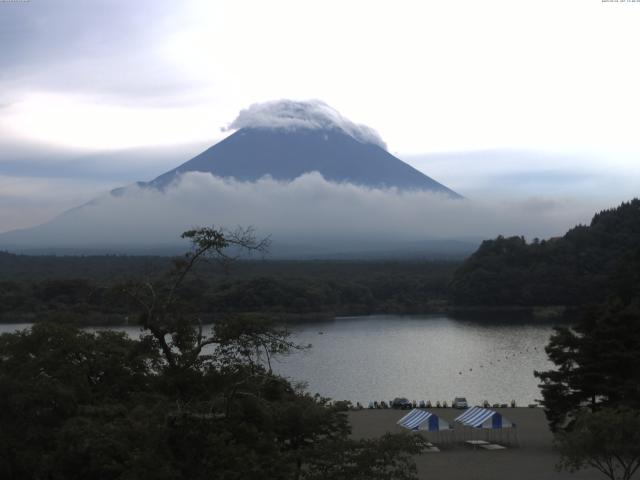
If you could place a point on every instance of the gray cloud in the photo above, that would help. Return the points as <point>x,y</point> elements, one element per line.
<point>309,114</point>
<point>102,46</point>
<point>37,160</point>
<point>518,174</point>
<point>308,211</point>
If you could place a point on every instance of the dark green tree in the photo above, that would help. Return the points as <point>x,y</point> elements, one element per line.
<point>167,320</point>
<point>607,440</point>
<point>389,457</point>
<point>53,380</point>
<point>596,364</point>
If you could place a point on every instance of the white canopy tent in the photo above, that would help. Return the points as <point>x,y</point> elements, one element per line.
<point>418,419</point>
<point>490,421</point>
<point>478,417</point>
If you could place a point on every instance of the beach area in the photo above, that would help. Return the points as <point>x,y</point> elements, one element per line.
<point>533,458</point>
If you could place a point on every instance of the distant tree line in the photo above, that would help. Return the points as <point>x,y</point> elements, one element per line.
<point>292,288</point>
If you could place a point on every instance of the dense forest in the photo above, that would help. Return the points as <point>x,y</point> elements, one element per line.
<point>587,265</point>
<point>90,289</point>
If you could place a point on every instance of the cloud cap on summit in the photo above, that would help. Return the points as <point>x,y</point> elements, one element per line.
<point>286,139</point>
<point>308,114</point>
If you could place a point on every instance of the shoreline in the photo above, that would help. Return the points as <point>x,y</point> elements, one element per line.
<point>507,313</point>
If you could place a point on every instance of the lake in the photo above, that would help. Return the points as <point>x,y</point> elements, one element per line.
<point>419,357</point>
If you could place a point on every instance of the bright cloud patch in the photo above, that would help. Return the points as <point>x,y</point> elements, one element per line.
<point>293,115</point>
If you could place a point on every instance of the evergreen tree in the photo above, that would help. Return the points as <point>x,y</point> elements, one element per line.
<point>596,363</point>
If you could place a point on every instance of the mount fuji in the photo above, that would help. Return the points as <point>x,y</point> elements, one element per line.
<point>276,146</point>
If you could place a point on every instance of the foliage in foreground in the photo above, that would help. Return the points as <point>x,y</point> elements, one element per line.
<point>179,403</point>
<point>596,364</point>
<point>608,440</point>
<point>592,397</point>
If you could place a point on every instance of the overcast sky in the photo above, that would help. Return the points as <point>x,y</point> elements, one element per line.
<point>515,97</point>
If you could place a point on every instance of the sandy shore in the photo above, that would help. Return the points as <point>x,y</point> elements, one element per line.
<point>533,458</point>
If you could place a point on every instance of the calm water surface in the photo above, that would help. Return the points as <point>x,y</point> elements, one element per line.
<point>419,357</point>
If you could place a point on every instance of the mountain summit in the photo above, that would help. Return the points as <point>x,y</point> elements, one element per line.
<point>252,153</point>
<point>287,139</point>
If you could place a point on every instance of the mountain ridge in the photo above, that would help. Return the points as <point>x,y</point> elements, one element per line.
<point>252,153</point>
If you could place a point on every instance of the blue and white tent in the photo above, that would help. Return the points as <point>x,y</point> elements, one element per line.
<point>478,417</point>
<point>423,420</point>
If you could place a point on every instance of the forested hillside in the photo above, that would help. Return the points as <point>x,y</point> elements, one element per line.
<point>586,265</point>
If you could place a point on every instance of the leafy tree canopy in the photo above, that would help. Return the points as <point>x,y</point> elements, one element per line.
<point>608,440</point>
<point>596,363</point>
<point>178,403</point>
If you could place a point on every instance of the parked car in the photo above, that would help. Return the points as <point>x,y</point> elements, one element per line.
<point>400,402</point>
<point>459,402</point>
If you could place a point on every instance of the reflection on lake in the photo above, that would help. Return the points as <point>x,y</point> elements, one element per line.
<point>420,357</point>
